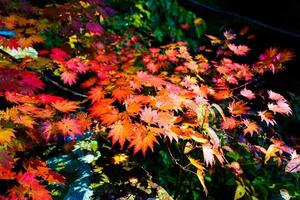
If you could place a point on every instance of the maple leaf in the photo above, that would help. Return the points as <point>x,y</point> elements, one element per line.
<point>25,42</point>
<point>150,80</point>
<point>40,192</point>
<point>222,94</point>
<point>19,81</point>
<point>143,139</point>
<point>148,115</point>
<point>110,116</point>
<point>171,132</point>
<point>65,105</point>
<point>275,96</point>
<point>121,93</point>
<point>40,168</point>
<point>36,39</point>
<point>247,93</point>
<point>120,132</point>
<point>27,179</point>
<point>271,152</point>
<point>200,172</point>
<point>293,165</point>
<point>212,134</point>
<point>251,127</point>
<point>208,154</point>
<point>240,50</point>
<point>69,77</point>
<point>69,126</point>
<point>230,123</point>
<point>48,129</point>
<point>34,189</point>
<point>20,98</point>
<point>48,99</point>
<point>84,121</point>
<point>164,119</point>
<point>280,107</point>
<point>76,65</point>
<point>89,82</point>
<point>134,103</point>
<point>24,120</point>
<point>59,55</point>
<point>6,135</point>
<point>96,94</point>
<point>132,107</point>
<point>238,108</point>
<point>101,107</point>
<point>285,55</point>
<point>267,116</point>
<point>94,27</point>
<point>6,160</point>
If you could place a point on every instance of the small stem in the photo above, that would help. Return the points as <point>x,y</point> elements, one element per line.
<point>62,87</point>
<point>243,85</point>
<point>10,56</point>
<point>177,163</point>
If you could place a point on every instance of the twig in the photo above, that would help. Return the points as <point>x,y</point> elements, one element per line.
<point>243,85</point>
<point>248,19</point>
<point>62,87</point>
<point>10,56</point>
<point>177,163</point>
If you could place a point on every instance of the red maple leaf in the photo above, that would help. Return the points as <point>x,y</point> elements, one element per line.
<point>94,27</point>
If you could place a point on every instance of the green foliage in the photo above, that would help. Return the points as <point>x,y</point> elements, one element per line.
<point>165,20</point>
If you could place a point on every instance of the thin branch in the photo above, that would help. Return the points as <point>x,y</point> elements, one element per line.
<point>177,163</point>
<point>10,56</point>
<point>243,85</point>
<point>247,19</point>
<point>62,87</point>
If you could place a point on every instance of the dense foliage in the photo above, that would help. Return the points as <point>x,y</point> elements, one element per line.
<point>71,80</point>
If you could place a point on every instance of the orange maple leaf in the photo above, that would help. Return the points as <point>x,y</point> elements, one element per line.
<point>36,39</point>
<point>25,42</point>
<point>230,123</point>
<point>222,94</point>
<point>120,132</point>
<point>111,116</point>
<point>267,116</point>
<point>69,126</point>
<point>238,108</point>
<point>24,120</point>
<point>143,138</point>
<point>84,121</point>
<point>101,107</point>
<point>121,93</point>
<point>7,134</point>
<point>65,105</point>
<point>96,94</point>
<point>251,127</point>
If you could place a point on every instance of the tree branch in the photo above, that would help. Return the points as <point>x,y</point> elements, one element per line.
<point>62,87</point>
<point>243,85</point>
<point>247,19</point>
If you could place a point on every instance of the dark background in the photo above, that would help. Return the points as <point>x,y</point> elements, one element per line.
<point>221,15</point>
<point>284,15</point>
